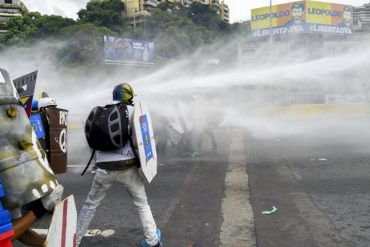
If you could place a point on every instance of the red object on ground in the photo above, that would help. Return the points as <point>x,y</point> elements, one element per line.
<point>5,239</point>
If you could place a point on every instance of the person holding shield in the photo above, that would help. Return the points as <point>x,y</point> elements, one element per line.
<point>120,166</point>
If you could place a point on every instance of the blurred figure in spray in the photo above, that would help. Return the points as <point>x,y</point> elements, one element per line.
<point>27,179</point>
<point>120,166</point>
<point>160,128</point>
<point>183,122</point>
<point>110,49</point>
<point>204,121</point>
<point>175,128</point>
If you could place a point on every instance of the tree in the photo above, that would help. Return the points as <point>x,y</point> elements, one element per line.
<point>106,13</point>
<point>84,45</point>
<point>205,15</point>
<point>175,30</point>
<point>175,35</point>
<point>32,27</point>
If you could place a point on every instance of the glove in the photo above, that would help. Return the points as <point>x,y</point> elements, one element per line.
<point>49,201</point>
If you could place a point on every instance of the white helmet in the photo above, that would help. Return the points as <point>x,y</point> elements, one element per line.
<point>45,102</point>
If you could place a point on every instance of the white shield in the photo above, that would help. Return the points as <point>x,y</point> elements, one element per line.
<point>62,231</point>
<point>145,143</point>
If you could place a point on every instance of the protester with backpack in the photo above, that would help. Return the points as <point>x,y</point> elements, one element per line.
<point>108,131</point>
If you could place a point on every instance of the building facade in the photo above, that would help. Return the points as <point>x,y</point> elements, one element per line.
<point>9,9</point>
<point>224,12</point>
<point>361,18</point>
<point>136,10</point>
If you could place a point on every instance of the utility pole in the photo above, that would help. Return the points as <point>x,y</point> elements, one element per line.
<point>145,36</point>
<point>270,23</point>
<point>134,19</point>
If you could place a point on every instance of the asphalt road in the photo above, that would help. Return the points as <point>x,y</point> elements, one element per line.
<point>185,198</point>
<point>316,174</point>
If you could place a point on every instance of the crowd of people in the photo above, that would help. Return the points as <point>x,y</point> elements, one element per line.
<point>190,127</point>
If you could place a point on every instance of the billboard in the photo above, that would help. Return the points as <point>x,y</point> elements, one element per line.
<point>283,16</point>
<point>329,17</point>
<point>302,16</point>
<point>128,51</point>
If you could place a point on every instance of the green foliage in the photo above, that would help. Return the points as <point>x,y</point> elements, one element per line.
<point>175,30</point>
<point>83,45</point>
<point>107,13</point>
<point>207,16</point>
<point>175,35</point>
<point>33,27</point>
<point>241,27</point>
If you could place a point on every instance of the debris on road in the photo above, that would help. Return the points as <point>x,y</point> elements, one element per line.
<point>273,210</point>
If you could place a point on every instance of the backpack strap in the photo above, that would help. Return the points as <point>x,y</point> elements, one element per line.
<point>88,164</point>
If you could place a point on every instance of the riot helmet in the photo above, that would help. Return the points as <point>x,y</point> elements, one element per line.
<point>47,102</point>
<point>123,92</point>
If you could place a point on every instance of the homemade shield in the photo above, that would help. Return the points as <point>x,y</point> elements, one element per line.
<point>25,86</point>
<point>144,137</point>
<point>62,230</point>
<point>24,169</point>
<point>50,126</point>
<point>57,138</point>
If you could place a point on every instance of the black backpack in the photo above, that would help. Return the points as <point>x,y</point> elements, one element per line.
<point>106,128</point>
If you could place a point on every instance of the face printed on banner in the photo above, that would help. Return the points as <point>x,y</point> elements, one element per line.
<point>297,13</point>
<point>347,15</point>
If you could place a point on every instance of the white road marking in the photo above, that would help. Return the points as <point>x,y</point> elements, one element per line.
<point>41,231</point>
<point>238,227</point>
<point>89,233</point>
<point>92,232</point>
<point>107,233</point>
<point>76,166</point>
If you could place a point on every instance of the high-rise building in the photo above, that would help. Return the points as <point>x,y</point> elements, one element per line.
<point>138,6</point>
<point>215,2</point>
<point>361,18</point>
<point>9,9</point>
<point>137,10</point>
<point>224,12</point>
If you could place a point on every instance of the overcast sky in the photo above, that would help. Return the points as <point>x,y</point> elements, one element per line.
<point>239,9</point>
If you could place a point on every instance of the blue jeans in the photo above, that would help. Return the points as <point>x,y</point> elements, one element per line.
<point>134,184</point>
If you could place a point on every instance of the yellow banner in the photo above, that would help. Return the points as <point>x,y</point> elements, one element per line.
<point>280,15</point>
<point>302,16</point>
<point>329,14</point>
